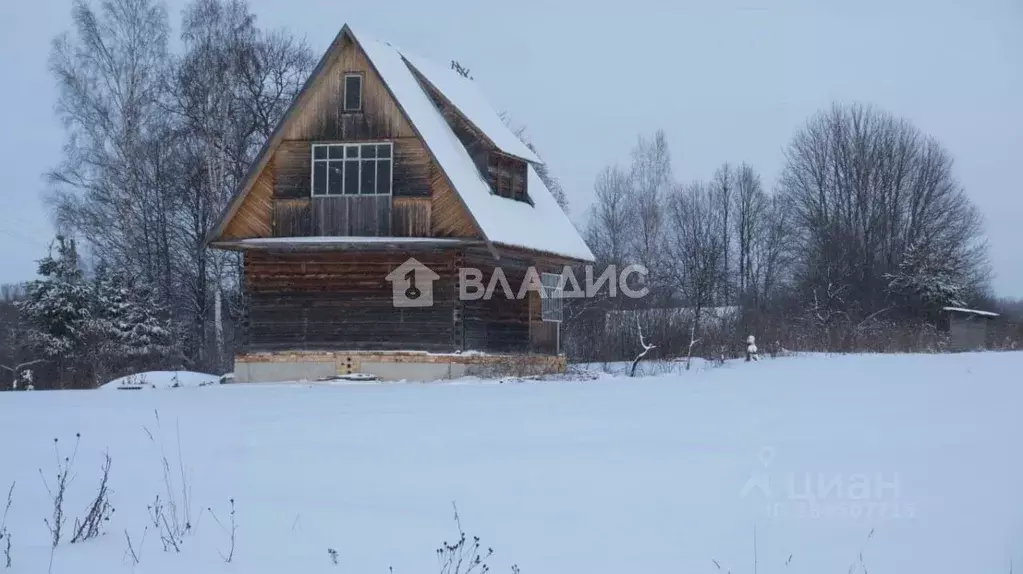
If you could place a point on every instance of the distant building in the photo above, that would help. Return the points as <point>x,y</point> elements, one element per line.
<point>967,328</point>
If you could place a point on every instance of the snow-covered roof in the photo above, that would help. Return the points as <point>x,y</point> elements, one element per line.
<point>465,95</point>
<point>542,226</point>
<point>971,311</point>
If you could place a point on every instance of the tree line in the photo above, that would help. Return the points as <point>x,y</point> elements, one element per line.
<point>863,239</point>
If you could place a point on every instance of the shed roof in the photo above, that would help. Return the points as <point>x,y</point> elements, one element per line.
<point>987,314</point>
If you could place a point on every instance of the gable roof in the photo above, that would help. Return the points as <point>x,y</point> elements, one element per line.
<point>543,226</point>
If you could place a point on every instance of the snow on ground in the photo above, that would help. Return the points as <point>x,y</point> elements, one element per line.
<point>162,380</point>
<point>615,475</point>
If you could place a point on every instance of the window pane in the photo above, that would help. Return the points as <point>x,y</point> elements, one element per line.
<point>319,178</point>
<point>384,150</point>
<point>518,188</point>
<point>351,177</point>
<point>352,151</point>
<point>369,151</point>
<point>319,152</point>
<point>384,176</point>
<point>337,151</point>
<point>368,176</point>
<point>334,176</point>
<point>504,182</point>
<point>353,93</point>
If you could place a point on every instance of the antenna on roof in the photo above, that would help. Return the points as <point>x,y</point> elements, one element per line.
<point>462,70</point>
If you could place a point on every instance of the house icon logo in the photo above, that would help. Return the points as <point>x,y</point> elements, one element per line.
<point>412,284</point>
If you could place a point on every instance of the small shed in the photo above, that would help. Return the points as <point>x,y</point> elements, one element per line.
<point>967,328</point>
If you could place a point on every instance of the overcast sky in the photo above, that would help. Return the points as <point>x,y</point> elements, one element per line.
<point>728,80</point>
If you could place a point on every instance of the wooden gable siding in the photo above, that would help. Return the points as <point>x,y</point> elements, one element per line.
<point>348,215</point>
<point>448,218</point>
<point>281,203</point>
<point>253,217</point>
<point>343,301</point>
<point>410,216</point>
<point>321,116</point>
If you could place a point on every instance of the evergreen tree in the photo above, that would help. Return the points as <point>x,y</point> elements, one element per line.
<point>58,308</point>
<point>132,327</point>
<point>926,280</point>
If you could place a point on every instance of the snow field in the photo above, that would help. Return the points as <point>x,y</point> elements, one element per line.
<point>614,475</point>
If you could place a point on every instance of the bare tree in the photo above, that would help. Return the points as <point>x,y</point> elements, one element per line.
<point>231,87</point>
<point>863,186</point>
<point>696,247</point>
<point>611,217</point>
<point>646,348</point>
<point>651,179</point>
<point>750,207</point>
<point>722,190</point>
<point>108,186</point>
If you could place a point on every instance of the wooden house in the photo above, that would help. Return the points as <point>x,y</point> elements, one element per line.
<point>385,180</point>
<point>967,328</point>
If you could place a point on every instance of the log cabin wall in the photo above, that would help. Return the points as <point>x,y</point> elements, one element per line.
<point>342,300</point>
<point>507,325</point>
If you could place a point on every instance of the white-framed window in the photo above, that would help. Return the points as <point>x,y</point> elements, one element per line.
<point>353,92</point>
<point>551,304</point>
<point>352,169</point>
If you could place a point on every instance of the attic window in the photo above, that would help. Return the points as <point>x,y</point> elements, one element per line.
<point>352,169</point>
<point>353,92</point>
<point>507,176</point>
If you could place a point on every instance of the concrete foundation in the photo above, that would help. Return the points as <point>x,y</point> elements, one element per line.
<point>389,366</point>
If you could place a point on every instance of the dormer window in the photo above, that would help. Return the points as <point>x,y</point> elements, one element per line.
<point>353,93</point>
<point>507,176</point>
